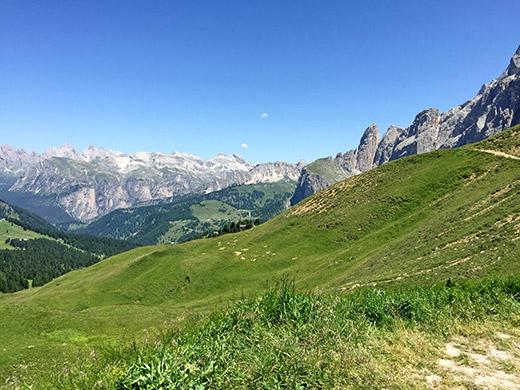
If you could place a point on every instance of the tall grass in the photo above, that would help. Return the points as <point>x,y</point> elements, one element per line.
<point>285,339</point>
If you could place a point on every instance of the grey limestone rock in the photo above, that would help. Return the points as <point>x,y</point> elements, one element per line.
<point>367,148</point>
<point>386,145</point>
<point>495,108</point>
<point>308,184</point>
<point>98,181</point>
<point>419,137</point>
<point>339,168</point>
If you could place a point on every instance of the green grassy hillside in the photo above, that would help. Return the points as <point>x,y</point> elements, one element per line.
<point>420,220</point>
<point>9,231</point>
<point>328,169</point>
<point>446,337</point>
<point>8,211</point>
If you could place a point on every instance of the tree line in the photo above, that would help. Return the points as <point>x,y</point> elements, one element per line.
<point>35,262</point>
<point>233,227</point>
<point>38,261</point>
<point>101,246</point>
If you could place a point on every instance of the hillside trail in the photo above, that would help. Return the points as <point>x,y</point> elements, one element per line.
<point>497,153</point>
<point>486,361</point>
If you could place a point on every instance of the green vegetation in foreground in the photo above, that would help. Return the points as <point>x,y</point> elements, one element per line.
<point>417,221</point>
<point>370,339</point>
<point>190,217</point>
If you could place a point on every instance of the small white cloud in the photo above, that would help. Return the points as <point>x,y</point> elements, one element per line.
<point>244,145</point>
<point>264,115</point>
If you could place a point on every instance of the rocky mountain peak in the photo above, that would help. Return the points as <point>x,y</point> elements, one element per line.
<point>514,65</point>
<point>6,150</point>
<point>424,120</point>
<point>12,159</point>
<point>92,152</point>
<point>386,145</point>
<point>240,159</point>
<point>179,155</point>
<point>230,162</point>
<point>106,180</point>
<point>66,150</point>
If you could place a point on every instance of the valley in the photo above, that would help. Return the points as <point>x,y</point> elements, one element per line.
<point>192,216</point>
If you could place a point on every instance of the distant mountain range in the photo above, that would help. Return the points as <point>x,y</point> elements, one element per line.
<point>64,185</point>
<point>495,108</point>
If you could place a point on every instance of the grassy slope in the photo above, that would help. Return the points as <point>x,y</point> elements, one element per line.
<point>445,337</point>
<point>20,214</point>
<point>44,260</point>
<point>326,168</point>
<point>9,230</point>
<point>419,220</point>
<point>208,209</point>
<point>449,336</point>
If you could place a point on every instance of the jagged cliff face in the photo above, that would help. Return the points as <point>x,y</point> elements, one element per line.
<point>93,183</point>
<point>13,162</point>
<point>495,108</point>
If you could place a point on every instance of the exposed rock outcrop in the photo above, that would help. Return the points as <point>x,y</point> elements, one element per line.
<point>13,161</point>
<point>386,146</point>
<point>324,172</point>
<point>495,108</point>
<point>309,184</point>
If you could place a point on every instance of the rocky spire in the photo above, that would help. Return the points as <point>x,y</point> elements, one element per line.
<point>387,144</point>
<point>367,148</point>
<point>66,150</point>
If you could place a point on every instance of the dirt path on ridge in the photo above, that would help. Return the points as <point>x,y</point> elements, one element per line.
<point>497,153</point>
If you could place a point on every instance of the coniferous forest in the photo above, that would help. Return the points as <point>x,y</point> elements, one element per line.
<point>34,262</point>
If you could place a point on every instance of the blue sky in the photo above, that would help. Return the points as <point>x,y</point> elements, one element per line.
<point>196,76</point>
